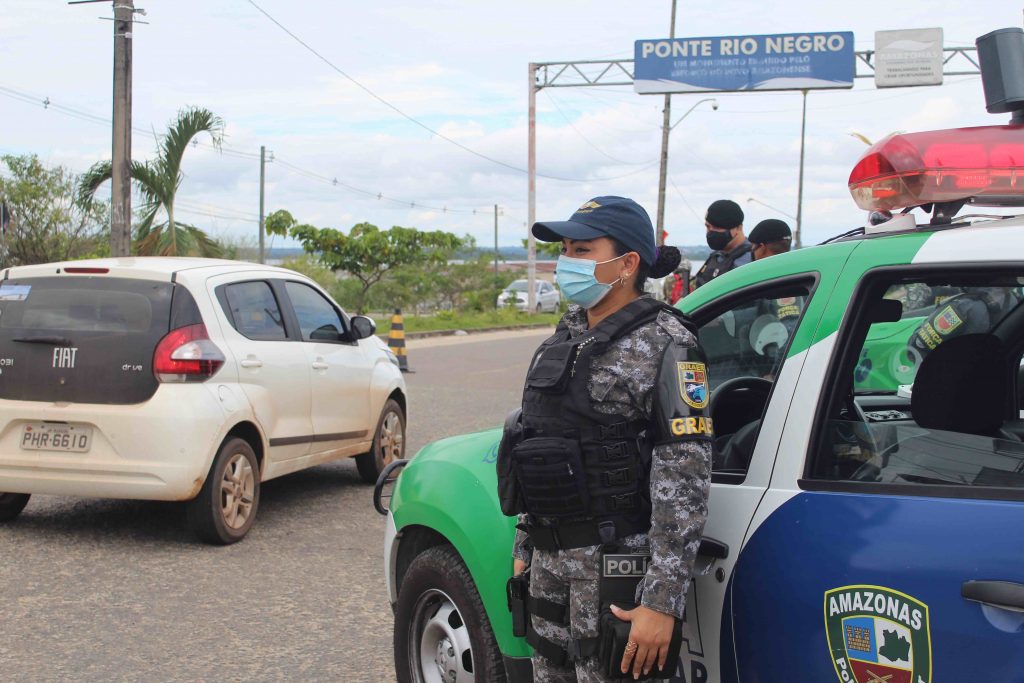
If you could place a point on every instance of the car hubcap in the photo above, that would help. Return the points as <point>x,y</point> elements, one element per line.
<point>391,438</point>
<point>237,490</point>
<point>440,646</point>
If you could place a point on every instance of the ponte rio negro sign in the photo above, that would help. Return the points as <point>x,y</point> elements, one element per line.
<point>793,61</point>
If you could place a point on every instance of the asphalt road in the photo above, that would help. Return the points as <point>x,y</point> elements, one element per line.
<point>108,590</point>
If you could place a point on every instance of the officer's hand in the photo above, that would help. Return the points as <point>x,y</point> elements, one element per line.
<point>652,632</point>
<point>518,567</point>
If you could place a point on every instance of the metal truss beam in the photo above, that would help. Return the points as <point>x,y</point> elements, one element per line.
<point>958,61</point>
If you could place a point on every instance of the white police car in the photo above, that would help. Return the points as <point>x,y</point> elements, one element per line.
<point>867,509</point>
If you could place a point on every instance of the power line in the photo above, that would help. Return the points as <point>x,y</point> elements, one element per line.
<point>416,121</point>
<point>681,196</point>
<point>223,149</point>
<point>588,140</point>
<point>380,196</point>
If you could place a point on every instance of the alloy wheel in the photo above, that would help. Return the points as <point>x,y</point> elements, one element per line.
<point>237,491</point>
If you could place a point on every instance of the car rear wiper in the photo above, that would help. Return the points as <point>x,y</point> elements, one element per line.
<point>56,341</point>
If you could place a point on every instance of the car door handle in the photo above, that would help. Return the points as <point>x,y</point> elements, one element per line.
<point>1002,594</point>
<point>320,365</point>
<point>251,363</point>
<point>710,547</point>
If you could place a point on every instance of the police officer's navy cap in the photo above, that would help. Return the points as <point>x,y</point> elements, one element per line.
<point>619,218</point>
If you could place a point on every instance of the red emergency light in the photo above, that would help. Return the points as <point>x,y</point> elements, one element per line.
<point>985,164</point>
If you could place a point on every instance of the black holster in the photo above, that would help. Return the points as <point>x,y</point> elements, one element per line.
<point>517,590</point>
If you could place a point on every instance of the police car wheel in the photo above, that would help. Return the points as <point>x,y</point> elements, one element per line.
<point>225,508</point>
<point>11,505</point>
<point>442,634</point>
<point>388,443</point>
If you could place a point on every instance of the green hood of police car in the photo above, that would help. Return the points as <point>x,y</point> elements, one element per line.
<point>450,486</point>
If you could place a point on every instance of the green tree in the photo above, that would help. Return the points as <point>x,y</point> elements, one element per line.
<point>158,181</point>
<point>368,253</point>
<point>47,223</point>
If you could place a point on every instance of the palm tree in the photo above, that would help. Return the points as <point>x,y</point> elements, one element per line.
<point>158,181</point>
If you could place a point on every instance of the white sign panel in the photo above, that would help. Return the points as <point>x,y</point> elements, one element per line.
<point>911,57</point>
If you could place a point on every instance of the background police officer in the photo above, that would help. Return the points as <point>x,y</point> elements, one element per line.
<point>723,224</point>
<point>623,381</point>
<point>770,237</point>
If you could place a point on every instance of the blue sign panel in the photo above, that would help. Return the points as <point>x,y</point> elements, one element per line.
<point>792,61</point>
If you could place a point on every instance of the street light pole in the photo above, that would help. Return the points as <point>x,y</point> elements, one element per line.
<point>800,187</point>
<point>665,128</point>
<point>121,152</point>
<point>531,204</point>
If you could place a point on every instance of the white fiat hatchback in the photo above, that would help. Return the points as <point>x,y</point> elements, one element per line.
<point>185,379</point>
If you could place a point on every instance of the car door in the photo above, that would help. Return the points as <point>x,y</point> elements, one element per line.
<point>272,367</point>
<point>341,372</point>
<point>891,549</point>
<point>751,387</point>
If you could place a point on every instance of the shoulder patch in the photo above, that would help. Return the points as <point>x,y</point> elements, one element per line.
<point>693,384</point>
<point>675,329</point>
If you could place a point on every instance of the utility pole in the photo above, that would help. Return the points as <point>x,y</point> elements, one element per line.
<point>121,153</point>
<point>495,240</point>
<point>666,120</point>
<point>263,176</point>
<point>800,186</point>
<point>531,205</point>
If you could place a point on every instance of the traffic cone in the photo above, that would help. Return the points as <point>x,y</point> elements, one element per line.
<point>396,340</point>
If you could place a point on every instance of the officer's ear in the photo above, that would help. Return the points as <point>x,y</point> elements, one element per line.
<point>630,264</point>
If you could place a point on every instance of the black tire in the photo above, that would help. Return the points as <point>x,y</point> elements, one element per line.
<point>232,486</point>
<point>440,623</point>
<point>11,505</point>
<point>388,443</point>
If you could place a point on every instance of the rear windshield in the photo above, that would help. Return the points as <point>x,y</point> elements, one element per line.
<point>81,339</point>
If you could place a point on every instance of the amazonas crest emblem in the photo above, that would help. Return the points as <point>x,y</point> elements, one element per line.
<point>693,384</point>
<point>878,635</point>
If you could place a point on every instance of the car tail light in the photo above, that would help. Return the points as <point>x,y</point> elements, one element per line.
<point>984,163</point>
<point>187,355</point>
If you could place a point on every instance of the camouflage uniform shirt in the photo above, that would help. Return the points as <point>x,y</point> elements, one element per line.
<point>622,382</point>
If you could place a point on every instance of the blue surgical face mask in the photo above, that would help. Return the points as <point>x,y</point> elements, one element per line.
<point>576,279</point>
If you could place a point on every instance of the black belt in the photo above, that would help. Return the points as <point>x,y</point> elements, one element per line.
<point>581,534</point>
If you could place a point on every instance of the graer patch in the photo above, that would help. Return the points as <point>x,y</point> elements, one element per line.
<point>878,634</point>
<point>693,384</point>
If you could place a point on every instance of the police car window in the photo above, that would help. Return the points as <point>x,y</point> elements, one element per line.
<point>254,311</point>
<point>931,398</point>
<point>747,344</point>
<point>750,339</point>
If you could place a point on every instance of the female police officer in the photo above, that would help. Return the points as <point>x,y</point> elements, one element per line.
<point>612,467</point>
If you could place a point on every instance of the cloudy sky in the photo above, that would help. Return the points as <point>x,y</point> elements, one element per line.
<point>460,68</point>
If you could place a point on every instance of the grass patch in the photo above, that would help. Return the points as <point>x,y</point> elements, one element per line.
<point>457,320</point>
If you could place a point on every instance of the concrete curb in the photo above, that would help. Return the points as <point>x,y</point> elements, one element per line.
<point>477,330</point>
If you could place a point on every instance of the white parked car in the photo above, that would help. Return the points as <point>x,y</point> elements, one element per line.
<point>185,379</point>
<point>548,298</point>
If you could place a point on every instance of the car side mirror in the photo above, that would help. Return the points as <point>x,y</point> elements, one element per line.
<point>363,327</point>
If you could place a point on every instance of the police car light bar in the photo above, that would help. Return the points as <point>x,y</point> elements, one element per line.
<point>984,165</point>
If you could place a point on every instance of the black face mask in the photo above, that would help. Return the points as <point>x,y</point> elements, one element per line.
<point>718,239</point>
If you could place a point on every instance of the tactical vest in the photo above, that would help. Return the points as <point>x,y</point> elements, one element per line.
<point>724,264</point>
<point>582,476</point>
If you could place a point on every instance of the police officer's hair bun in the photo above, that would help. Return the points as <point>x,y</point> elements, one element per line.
<point>668,259</point>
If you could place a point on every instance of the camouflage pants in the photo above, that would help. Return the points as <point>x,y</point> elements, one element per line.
<point>566,583</point>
